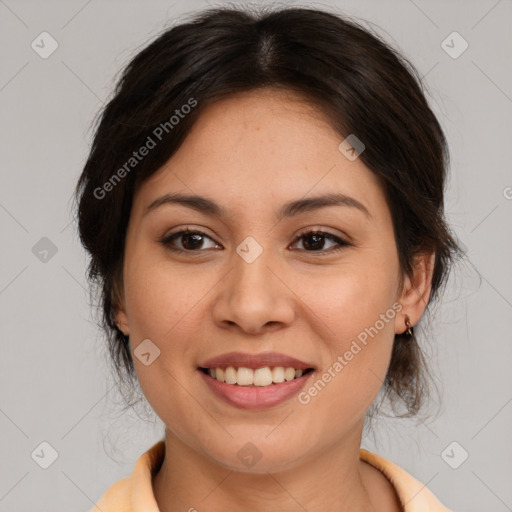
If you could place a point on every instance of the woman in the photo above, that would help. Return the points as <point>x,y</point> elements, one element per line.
<point>263,207</point>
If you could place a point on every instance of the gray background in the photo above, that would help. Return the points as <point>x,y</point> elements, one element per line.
<point>55,385</point>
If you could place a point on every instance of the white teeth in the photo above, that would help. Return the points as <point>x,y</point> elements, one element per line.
<point>259,377</point>
<point>230,375</point>
<point>278,374</point>
<point>219,374</point>
<point>289,373</point>
<point>244,376</point>
<point>262,376</point>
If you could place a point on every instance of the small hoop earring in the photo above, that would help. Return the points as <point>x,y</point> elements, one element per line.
<point>408,325</point>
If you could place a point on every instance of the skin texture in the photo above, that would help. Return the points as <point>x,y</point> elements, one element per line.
<point>251,153</point>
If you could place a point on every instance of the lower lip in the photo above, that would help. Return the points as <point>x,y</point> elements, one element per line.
<point>256,397</point>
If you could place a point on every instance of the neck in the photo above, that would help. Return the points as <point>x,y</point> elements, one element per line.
<point>329,481</point>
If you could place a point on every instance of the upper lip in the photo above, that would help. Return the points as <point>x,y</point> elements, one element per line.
<point>247,360</point>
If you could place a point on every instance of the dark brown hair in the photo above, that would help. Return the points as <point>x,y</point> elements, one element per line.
<point>349,73</point>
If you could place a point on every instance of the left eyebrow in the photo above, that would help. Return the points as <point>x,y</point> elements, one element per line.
<point>290,209</point>
<point>314,203</point>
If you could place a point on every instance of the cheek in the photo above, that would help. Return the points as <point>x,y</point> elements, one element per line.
<point>160,299</point>
<point>162,306</point>
<point>351,300</point>
<point>355,312</point>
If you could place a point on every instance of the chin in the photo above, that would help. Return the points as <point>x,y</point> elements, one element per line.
<point>257,457</point>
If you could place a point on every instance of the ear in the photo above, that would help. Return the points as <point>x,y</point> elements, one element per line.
<point>122,320</point>
<point>118,305</point>
<point>416,291</point>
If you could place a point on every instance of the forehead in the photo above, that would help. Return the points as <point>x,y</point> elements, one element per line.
<point>259,147</point>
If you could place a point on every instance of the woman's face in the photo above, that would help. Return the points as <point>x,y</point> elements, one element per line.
<point>251,283</point>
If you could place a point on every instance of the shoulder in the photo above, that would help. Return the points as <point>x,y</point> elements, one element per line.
<point>134,492</point>
<point>116,498</point>
<point>414,496</point>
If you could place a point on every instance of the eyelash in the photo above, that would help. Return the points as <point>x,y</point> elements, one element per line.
<point>342,243</point>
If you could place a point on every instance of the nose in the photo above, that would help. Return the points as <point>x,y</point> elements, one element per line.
<point>254,297</point>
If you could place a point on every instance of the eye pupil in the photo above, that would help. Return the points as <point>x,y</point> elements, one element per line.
<point>195,244</point>
<point>318,241</point>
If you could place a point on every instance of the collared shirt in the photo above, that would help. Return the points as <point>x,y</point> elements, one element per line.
<point>134,493</point>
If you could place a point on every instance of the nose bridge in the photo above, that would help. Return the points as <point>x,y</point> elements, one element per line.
<point>252,263</point>
<point>252,295</point>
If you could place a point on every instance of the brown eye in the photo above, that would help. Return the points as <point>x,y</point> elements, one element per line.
<point>319,242</point>
<point>315,241</point>
<point>190,241</point>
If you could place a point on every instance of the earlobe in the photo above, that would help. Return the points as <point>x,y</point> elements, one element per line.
<point>122,321</point>
<point>118,305</point>
<point>416,292</point>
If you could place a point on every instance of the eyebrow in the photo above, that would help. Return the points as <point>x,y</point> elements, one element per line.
<point>290,209</point>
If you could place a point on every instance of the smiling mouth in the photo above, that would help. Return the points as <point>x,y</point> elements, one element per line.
<point>259,377</point>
